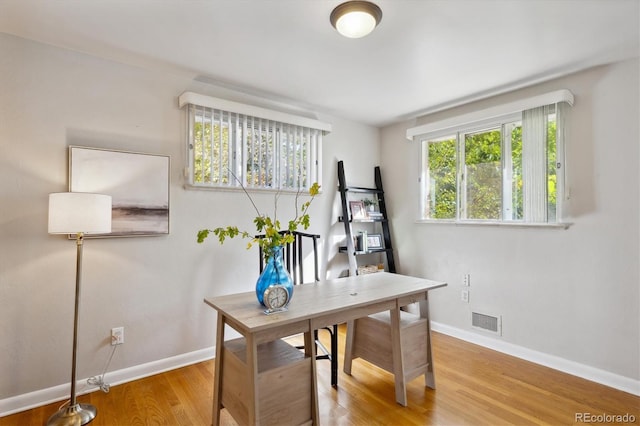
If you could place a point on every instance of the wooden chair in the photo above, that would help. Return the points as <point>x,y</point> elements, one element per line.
<point>294,262</point>
<point>395,341</point>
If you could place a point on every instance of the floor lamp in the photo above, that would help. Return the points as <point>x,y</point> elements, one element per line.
<point>77,213</point>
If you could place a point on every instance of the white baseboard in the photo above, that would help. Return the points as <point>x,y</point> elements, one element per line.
<point>570,367</point>
<point>41,397</point>
<point>38,398</point>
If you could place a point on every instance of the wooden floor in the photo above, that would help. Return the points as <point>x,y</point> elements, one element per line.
<point>475,386</point>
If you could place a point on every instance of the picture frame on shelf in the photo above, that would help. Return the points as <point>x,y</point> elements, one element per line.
<point>357,210</point>
<point>374,242</point>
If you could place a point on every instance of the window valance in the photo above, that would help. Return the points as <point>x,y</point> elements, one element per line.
<point>446,125</point>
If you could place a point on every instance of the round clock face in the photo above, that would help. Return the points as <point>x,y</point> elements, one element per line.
<point>276,297</point>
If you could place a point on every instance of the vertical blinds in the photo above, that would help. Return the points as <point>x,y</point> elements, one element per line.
<point>232,149</point>
<point>534,163</point>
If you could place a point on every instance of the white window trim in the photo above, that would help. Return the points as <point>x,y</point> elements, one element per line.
<point>254,111</point>
<point>556,225</point>
<point>489,115</point>
<point>487,118</point>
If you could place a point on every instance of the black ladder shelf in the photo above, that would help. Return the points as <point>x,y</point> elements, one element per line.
<point>348,220</point>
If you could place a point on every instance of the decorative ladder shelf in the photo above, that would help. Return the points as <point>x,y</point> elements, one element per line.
<point>348,193</point>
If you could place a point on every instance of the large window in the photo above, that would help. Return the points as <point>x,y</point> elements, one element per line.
<point>232,145</point>
<point>506,168</point>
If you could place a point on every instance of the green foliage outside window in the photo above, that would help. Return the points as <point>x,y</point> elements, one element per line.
<point>552,160</point>
<point>483,170</point>
<point>442,169</point>
<point>209,167</point>
<point>483,180</point>
<point>517,202</point>
<point>213,160</point>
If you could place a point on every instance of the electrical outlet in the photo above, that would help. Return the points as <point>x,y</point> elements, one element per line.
<point>117,336</point>
<point>466,280</point>
<point>464,296</point>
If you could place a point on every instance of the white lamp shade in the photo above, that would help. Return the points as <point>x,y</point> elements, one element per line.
<point>73,212</point>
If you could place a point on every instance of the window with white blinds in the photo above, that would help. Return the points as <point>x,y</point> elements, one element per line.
<point>231,145</point>
<point>503,165</point>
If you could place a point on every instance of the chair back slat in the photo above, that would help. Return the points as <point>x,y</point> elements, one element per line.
<point>293,256</point>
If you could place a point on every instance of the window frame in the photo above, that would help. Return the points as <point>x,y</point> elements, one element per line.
<point>497,117</point>
<point>253,122</point>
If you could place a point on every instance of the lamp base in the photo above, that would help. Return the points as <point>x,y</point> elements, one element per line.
<point>73,415</point>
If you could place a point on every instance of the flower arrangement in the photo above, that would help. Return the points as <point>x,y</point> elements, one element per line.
<point>269,227</point>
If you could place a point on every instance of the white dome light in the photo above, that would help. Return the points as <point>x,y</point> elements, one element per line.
<point>355,19</point>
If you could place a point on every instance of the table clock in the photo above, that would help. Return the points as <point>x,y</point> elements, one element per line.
<point>276,298</point>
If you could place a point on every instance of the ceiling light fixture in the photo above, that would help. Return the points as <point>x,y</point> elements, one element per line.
<point>355,19</point>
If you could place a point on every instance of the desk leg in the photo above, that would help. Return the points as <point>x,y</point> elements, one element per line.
<point>398,364</point>
<point>217,378</point>
<point>310,351</point>
<point>252,367</point>
<point>429,376</point>
<point>348,347</point>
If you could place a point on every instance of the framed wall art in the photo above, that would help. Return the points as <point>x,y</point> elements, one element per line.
<point>138,184</point>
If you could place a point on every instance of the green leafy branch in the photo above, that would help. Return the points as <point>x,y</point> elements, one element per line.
<point>270,228</point>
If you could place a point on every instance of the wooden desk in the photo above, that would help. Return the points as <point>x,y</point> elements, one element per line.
<point>314,305</point>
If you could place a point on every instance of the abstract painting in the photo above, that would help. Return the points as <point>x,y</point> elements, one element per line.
<point>138,184</point>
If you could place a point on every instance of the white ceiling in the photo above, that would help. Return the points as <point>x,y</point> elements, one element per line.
<point>424,55</point>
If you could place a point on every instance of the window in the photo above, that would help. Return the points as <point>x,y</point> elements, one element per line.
<point>231,145</point>
<point>507,167</point>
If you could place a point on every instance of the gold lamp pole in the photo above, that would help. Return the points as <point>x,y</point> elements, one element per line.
<point>77,213</point>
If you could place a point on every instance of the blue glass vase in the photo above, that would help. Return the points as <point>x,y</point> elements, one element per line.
<point>274,273</point>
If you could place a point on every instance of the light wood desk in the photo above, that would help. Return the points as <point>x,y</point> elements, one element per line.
<point>251,373</point>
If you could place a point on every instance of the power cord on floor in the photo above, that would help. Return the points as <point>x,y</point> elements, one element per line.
<point>99,380</point>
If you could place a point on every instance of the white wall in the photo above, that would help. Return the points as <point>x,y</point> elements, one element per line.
<point>572,294</point>
<point>153,286</point>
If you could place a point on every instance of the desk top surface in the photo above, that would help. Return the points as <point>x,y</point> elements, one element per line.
<point>320,299</point>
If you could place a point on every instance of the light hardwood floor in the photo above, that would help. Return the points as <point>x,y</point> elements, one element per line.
<point>475,386</point>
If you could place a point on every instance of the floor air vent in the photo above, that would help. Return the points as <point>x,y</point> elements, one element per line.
<point>486,322</point>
